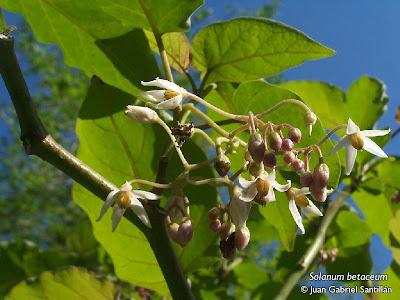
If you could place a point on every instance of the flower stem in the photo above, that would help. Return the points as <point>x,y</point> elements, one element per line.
<point>205,136</point>
<point>342,126</point>
<point>272,109</point>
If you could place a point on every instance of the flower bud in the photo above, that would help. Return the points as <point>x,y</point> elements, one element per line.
<point>321,175</point>
<point>214,225</point>
<point>214,213</point>
<point>228,247</point>
<point>185,232</point>
<point>306,179</point>
<point>173,232</point>
<point>275,141</point>
<point>287,144</point>
<point>297,164</point>
<point>318,193</point>
<point>222,165</point>
<point>141,114</point>
<point>288,157</point>
<point>269,160</point>
<point>226,230</point>
<point>295,135</point>
<point>242,238</point>
<point>256,147</point>
<point>310,118</point>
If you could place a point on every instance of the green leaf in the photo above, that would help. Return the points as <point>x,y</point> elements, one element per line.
<point>69,283</point>
<point>326,100</point>
<point>119,149</point>
<point>389,175</point>
<point>365,101</point>
<point>250,48</point>
<point>2,22</point>
<point>353,231</point>
<point>271,289</point>
<point>249,275</point>
<point>394,226</point>
<point>393,273</point>
<point>177,47</point>
<point>91,39</point>
<point>370,204</point>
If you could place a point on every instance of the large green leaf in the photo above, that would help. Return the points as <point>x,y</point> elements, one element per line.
<point>326,100</point>
<point>250,48</point>
<point>258,96</point>
<point>393,273</point>
<point>2,22</point>
<point>91,40</point>
<point>389,175</point>
<point>69,283</point>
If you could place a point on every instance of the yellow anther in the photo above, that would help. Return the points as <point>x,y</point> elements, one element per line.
<point>169,94</point>
<point>356,141</point>
<point>123,200</point>
<point>262,187</point>
<point>301,200</point>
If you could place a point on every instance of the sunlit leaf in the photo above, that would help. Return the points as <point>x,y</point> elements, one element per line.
<point>251,48</point>
<point>393,273</point>
<point>2,22</point>
<point>69,283</point>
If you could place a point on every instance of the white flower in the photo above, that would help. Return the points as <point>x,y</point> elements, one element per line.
<point>264,185</point>
<point>141,114</point>
<point>297,197</point>
<point>239,209</point>
<point>170,97</point>
<point>125,198</point>
<point>357,140</point>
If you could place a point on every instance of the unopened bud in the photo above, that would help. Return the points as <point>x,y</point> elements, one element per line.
<point>269,160</point>
<point>141,114</point>
<point>228,248</point>
<point>306,179</point>
<point>310,118</point>
<point>321,175</point>
<point>318,193</point>
<point>256,148</point>
<point>287,144</point>
<point>214,225</point>
<point>275,141</point>
<point>222,165</point>
<point>185,232</point>
<point>242,238</point>
<point>173,232</point>
<point>226,230</point>
<point>214,213</point>
<point>295,135</point>
<point>289,157</point>
<point>297,164</point>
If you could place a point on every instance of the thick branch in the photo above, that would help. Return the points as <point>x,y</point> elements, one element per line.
<point>318,241</point>
<point>38,142</point>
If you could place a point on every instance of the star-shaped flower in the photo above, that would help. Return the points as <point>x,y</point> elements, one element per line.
<point>298,197</point>
<point>358,140</point>
<point>263,185</point>
<point>170,97</point>
<point>126,198</point>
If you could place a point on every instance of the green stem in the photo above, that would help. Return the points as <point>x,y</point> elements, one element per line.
<point>38,142</point>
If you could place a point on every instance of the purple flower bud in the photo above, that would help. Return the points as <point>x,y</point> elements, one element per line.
<point>288,157</point>
<point>173,232</point>
<point>214,213</point>
<point>321,175</point>
<point>242,238</point>
<point>306,179</point>
<point>287,144</point>
<point>275,141</point>
<point>269,160</point>
<point>226,230</point>
<point>256,148</point>
<point>318,193</point>
<point>222,165</point>
<point>185,232</point>
<point>297,164</point>
<point>295,135</point>
<point>214,225</point>
<point>228,247</point>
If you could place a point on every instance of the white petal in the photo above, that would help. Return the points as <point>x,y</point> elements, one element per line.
<point>310,130</point>
<point>372,147</point>
<point>280,187</point>
<point>351,154</point>
<point>296,215</point>
<point>270,177</point>
<point>304,190</point>
<point>109,201</point>
<point>164,84</point>
<point>139,210</point>
<point>146,195</point>
<point>249,194</point>
<point>155,95</point>
<point>342,142</point>
<point>312,209</point>
<point>352,127</point>
<point>246,183</point>
<point>171,103</point>
<point>126,187</point>
<point>374,132</point>
<point>239,211</point>
<point>270,197</point>
<point>118,212</point>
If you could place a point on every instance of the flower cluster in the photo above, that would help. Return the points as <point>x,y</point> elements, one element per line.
<point>270,148</point>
